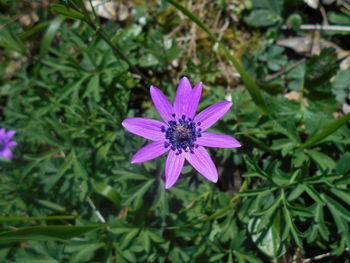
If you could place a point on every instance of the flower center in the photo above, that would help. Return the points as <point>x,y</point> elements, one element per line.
<point>181,134</point>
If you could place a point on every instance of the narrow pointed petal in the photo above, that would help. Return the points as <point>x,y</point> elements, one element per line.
<point>161,103</point>
<point>173,167</point>
<point>210,139</point>
<point>9,135</point>
<point>202,162</point>
<point>149,152</point>
<point>146,128</point>
<point>11,143</point>
<point>6,153</point>
<point>2,132</point>
<point>182,97</point>
<point>194,100</point>
<point>212,114</point>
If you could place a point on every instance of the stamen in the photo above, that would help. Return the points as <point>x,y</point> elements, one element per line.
<point>181,134</point>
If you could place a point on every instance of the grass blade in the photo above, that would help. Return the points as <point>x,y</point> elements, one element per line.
<point>46,233</point>
<point>251,85</point>
<point>332,127</point>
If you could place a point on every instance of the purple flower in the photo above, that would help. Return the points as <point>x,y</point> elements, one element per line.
<point>6,143</point>
<point>182,133</point>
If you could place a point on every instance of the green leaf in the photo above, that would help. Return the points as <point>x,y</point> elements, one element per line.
<point>338,19</point>
<point>51,181</point>
<point>85,253</point>
<point>331,128</point>
<point>10,40</point>
<point>323,160</point>
<point>340,85</point>
<point>262,18</point>
<point>343,163</point>
<point>265,13</point>
<point>51,205</point>
<point>269,240</point>
<point>79,170</point>
<point>341,194</point>
<point>145,240</point>
<point>129,237</point>
<point>338,217</point>
<point>148,60</point>
<point>340,210</point>
<point>296,192</point>
<point>291,226</point>
<point>67,11</point>
<point>312,193</point>
<point>320,68</point>
<point>46,233</point>
<point>93,87</point>
<point>108,191</point>
<point>50,34</point>
<point>257,191</point>
<point>245,257</point>
<point>35,29</point>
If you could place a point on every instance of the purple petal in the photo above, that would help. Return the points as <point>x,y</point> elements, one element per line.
<point>161,103</point>
<point>11,143</point>
<point>146,128</point>
<point>2,133</point>
<point>217,140</point>
<point>173,167</point>
<point>202,162</point>
<point>194,100</point>
<point>9,135</point>
<point>6,153</point>
<point>212,114</point>
<point>149,152</point>
<point>182,97</point>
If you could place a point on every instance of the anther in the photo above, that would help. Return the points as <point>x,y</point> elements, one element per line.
<point>199,123</point>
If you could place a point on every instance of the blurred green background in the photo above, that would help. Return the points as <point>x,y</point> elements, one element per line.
<point>72,70</point>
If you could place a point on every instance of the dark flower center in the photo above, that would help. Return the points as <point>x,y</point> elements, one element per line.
<point>181,134</point>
